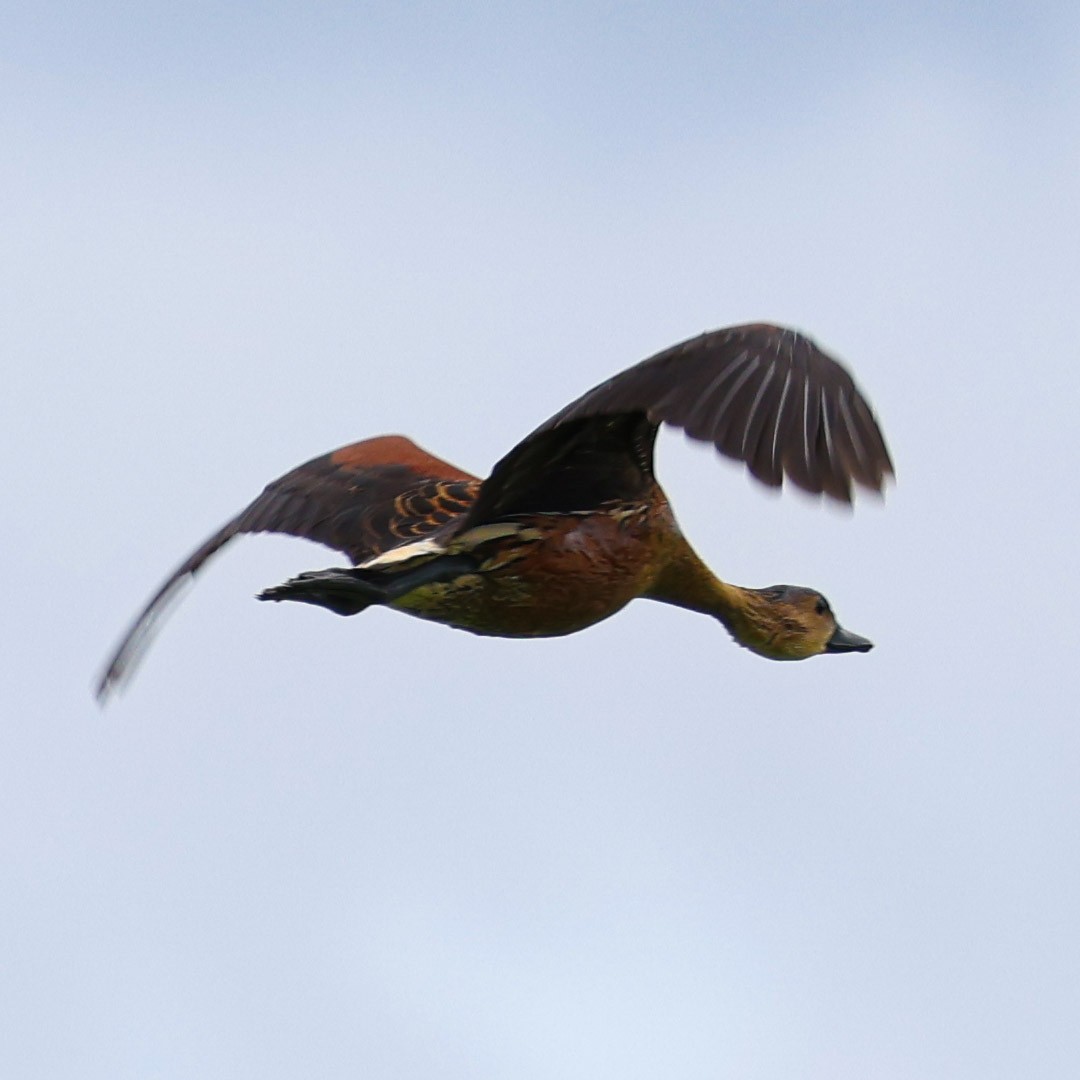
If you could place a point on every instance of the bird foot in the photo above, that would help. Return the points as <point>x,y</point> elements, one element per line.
<point>340,590</point>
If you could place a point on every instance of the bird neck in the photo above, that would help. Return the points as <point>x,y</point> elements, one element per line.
<point>687,582</point>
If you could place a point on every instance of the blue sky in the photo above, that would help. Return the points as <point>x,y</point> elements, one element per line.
<point>235,238</point>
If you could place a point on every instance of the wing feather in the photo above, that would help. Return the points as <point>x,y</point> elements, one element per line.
<point>728,386</point>
<point>361,500</point>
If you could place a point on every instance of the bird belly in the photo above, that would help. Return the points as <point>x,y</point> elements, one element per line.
<point>578,572</point>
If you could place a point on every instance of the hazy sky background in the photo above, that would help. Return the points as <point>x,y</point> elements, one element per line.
<point>233,237</point>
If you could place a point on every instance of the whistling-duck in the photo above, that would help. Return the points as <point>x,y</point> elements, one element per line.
<point>571,525</point>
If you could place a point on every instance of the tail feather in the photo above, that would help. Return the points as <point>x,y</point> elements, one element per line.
<point>340,590</point>
<point>348,590</point>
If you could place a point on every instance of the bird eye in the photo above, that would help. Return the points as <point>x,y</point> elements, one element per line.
<point>821,607</point>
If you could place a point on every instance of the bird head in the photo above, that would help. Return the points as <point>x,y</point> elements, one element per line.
<point>788,622</point>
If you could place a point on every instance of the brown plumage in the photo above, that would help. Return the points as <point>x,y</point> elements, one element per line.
<point>572,525</point>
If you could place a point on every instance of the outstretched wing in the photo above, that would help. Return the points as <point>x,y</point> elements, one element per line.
<point>361,500</point>
<point>762,394</point>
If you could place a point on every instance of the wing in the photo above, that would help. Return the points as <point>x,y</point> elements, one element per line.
<point>575,466</point>
<point>761,394</point>
<point>361,500</point>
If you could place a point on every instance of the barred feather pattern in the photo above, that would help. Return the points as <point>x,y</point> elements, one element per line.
<point>761,394</point>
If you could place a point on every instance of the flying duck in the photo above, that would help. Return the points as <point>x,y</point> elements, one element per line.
<point>572,524</point>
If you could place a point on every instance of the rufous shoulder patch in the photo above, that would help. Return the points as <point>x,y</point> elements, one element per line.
<point>396,450</point>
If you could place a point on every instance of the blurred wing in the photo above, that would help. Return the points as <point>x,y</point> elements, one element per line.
<point>761,394</point>
<point>361,500</point>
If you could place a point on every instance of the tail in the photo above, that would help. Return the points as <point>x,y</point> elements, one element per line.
<point>340,590</point>
<point>349,590</point>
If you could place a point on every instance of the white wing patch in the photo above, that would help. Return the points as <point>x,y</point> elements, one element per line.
<point>825,427</point>
<point>780,416</point>
<point>754,406</point>
<point>806,423</point>
<point>849,423</point>
<point>403,553</point>
<point>432,546</point>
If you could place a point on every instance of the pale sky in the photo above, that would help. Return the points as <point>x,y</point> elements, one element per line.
<point>234,237</point>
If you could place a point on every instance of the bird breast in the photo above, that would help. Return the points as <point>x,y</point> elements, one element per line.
<point>561,573</point>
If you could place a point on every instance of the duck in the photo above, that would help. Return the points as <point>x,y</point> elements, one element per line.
<point>571,525</point>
